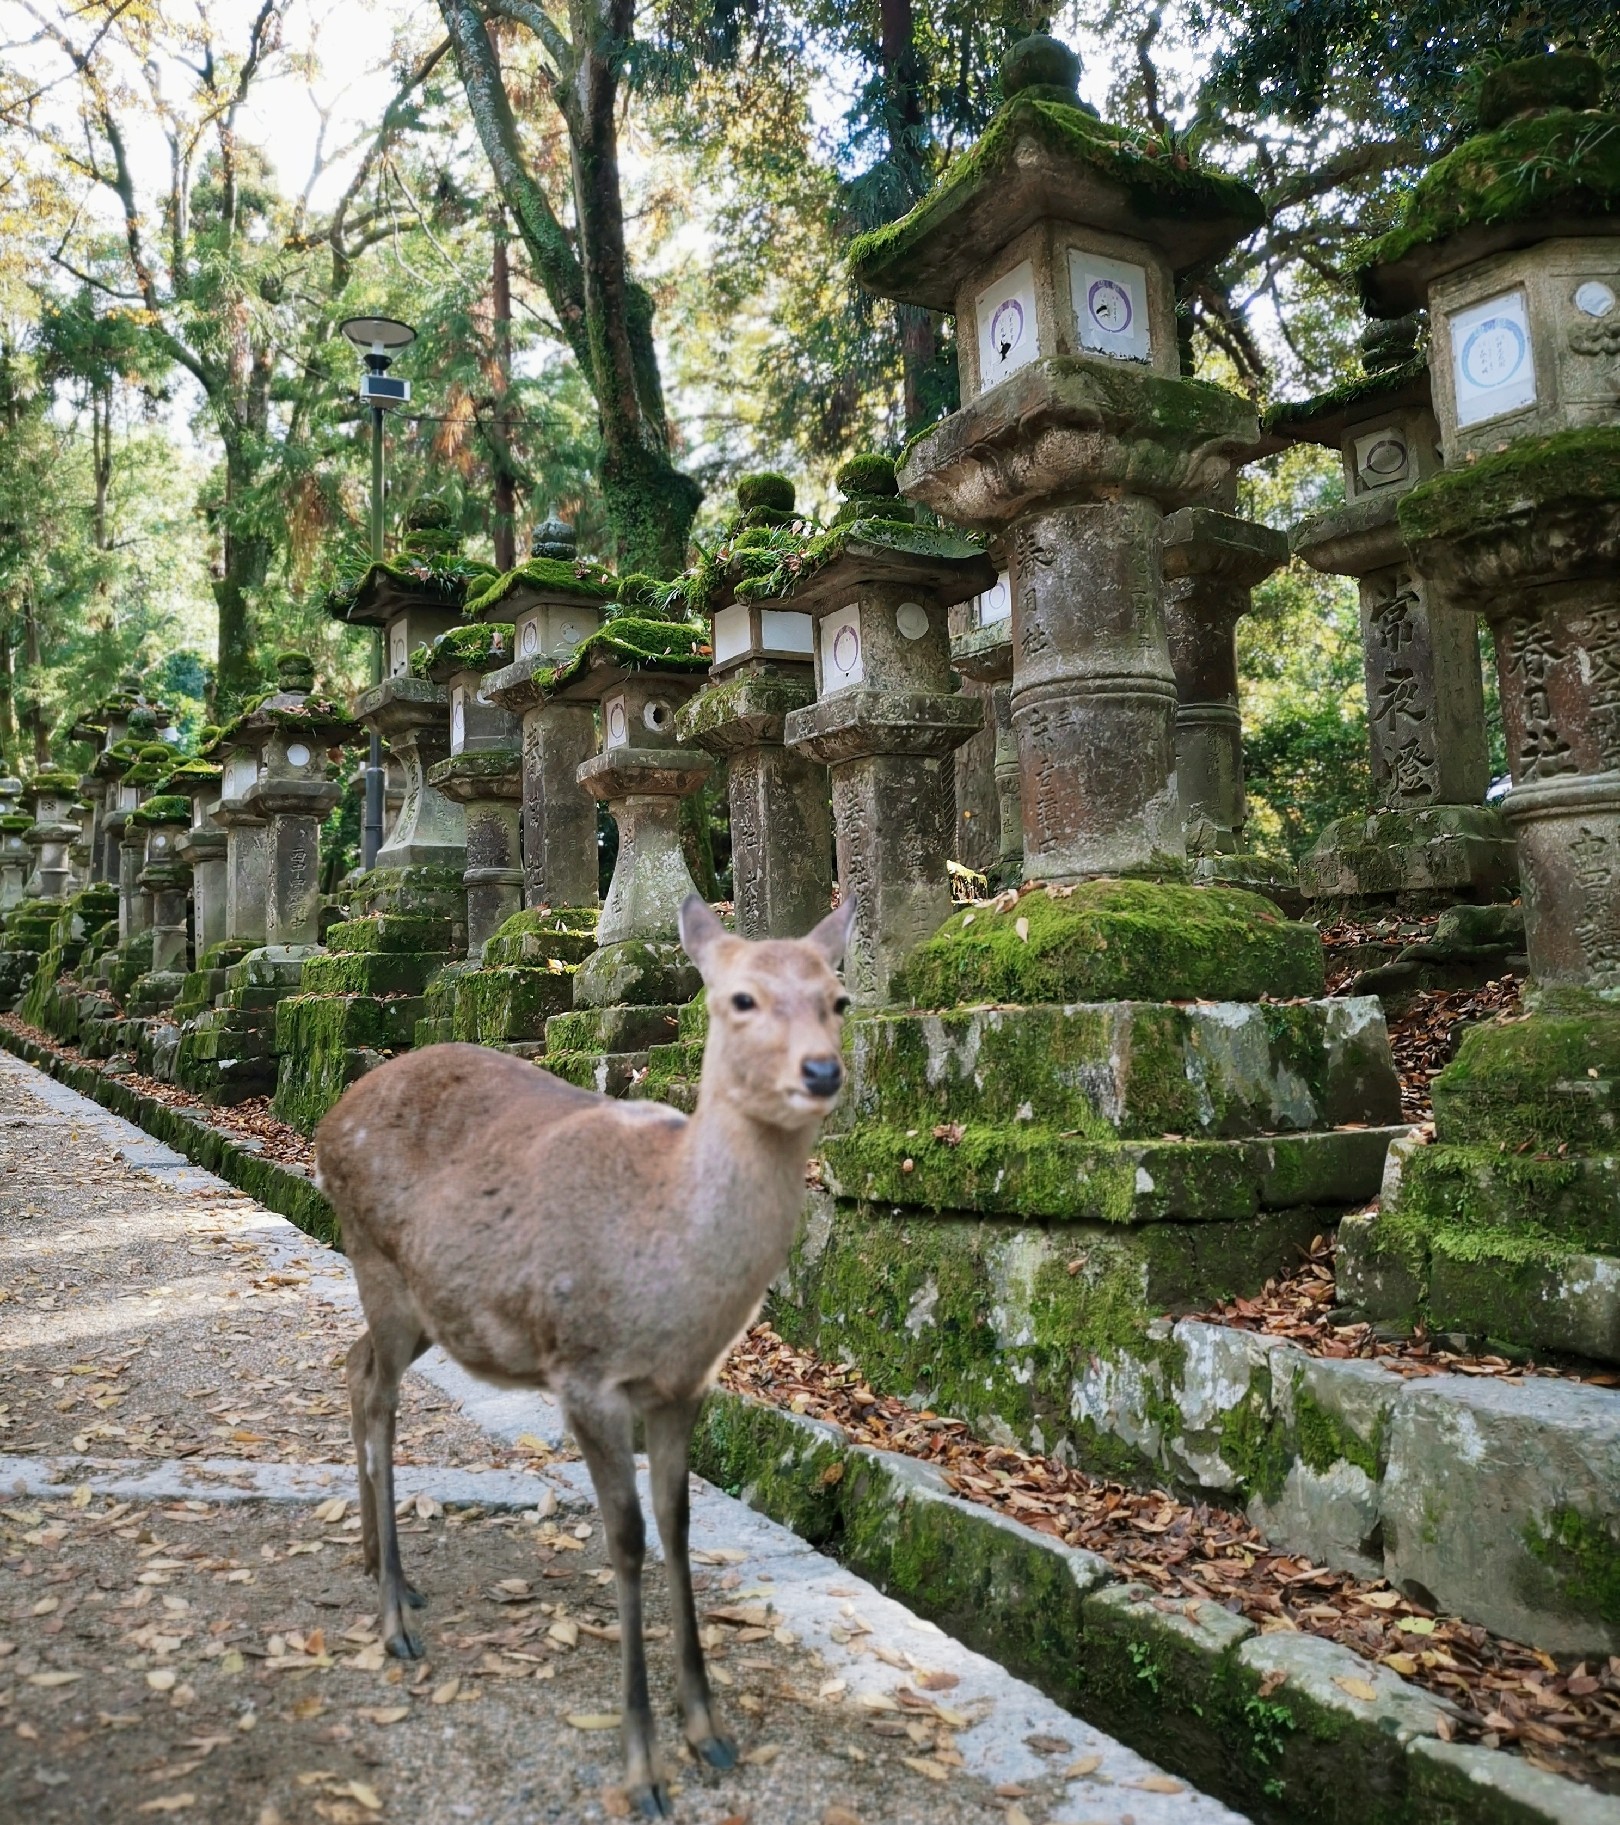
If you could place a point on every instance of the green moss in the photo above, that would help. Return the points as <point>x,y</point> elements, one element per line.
<point>1561,163</point>
<point>868,475</point>
<point>1156,176</point>
<point>1109,940</point>
<point>1582,1553</point>
<point>1322,417</point>
<point>163,808</point>
<point>549,576</point>
<point>482,647</point>
<point>1254,1440</point>
<point>1544,1082</point>
<point>1532,476</point>
<point>58,781</point>
<point>794,560</point>
<point>371,972</point>
<point>440,576</point>
<point>539,935</point>
<point>630,641</point>
<point>652,598</point>
<point>765,489</point>
<point>1322,1439</point>
<point>1566,79</point>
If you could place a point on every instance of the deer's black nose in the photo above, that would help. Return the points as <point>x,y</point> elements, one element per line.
<point>822,1076</point>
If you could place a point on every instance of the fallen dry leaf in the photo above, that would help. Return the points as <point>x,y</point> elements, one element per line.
<point>1356,1688</point>
<point>594,1720</point>
<point>168,1802</point>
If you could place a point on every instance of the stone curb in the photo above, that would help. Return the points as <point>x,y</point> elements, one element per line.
<point>1334,1738</point>
<point>284,1189</point>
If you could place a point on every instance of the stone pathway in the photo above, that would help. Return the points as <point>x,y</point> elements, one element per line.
<point>185,1627</point>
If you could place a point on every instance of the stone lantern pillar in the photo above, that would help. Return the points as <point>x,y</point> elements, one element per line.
<point>412,599</point>
<point>982,654</point>
<point>1212,561</point>
<point>247,857</point>
<point>1507,1224</point>
<point>15,861</point>
<point>554,602</point>
<point>1434,839</point>
<point>483,772</point>
<point>885,721</point>
<point>763,669</point>
<point>627,994</point>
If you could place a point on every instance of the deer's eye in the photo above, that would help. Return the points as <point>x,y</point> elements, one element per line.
<point>841,1005</point>
<point>742,1003</point>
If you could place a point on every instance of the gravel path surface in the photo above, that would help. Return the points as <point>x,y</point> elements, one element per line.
<point>185,1626</point>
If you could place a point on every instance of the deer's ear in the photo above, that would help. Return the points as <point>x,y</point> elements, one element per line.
<point>831,936</point>
<point>699,928</point>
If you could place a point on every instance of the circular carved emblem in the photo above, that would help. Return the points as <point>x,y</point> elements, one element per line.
<point>1110,306</point>
<point>1007,327</point>
<point>1494,352</point>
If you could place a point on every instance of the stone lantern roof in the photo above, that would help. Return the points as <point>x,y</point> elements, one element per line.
<point>482,647</point>
<point>552,574</point>
<point>429,566</point>
<point>1046,156</point>
<point>1394,375</point>
<point>1545,165</point>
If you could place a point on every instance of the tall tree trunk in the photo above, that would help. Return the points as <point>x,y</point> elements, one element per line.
<point>34,710</point>
<point>8,714</point>
<point>905,120</point>
<point>245,562</point>
<point>101,460</point>
<point>503,519</point>
<point>605,316</point>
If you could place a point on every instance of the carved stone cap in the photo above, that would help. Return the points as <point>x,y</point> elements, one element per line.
<point>1204,542</point>
<point>1354,540</point>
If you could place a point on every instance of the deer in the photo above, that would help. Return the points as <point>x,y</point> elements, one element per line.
<point>609,1252</point>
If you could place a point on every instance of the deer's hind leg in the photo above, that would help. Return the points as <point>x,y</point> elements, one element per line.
<point>377,1364</point>
<point>669,1443</point>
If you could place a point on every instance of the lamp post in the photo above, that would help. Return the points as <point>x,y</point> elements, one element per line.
<point>377,338</point>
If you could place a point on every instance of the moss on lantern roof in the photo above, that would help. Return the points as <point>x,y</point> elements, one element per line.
<point>55,779</point>
<point>448,577</point>
<point>1535,176</point>
<point>14,823</point>
<point>783,568</point>
<point>192,776</point>
<point>551,576</point>
<point>1529,476</point>
<point>631,641</point>
<point>1324,417</point>
<point>114,761</point>
<point>481,647</point>
<point>1158,194</point>
<point>162,808</point>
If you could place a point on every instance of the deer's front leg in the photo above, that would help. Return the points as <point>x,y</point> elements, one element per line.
<point>374,1394</point>
<point>603,1428</point>
<point>669,1441</point>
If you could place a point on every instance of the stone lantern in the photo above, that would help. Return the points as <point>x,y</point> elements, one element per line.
<point>203,846</point>
<point>1434,837</point>
<point>763,669</point>
<point>886,719</point>
<point>1213,559</point>
<point>165,881</point>
<point>1506,1225</point>
<point>52,798</point>
<point>15,860</point>
<point>152,762</point>
<point>290,730</point>
<point>1057,242</point>
<point>627,993</point>
<point>483,772</point>
<point>554,602</point>
<point>412,598</point>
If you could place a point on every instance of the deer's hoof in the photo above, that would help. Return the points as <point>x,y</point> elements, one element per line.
<point>652,1801</point>
<point>403,1645</point>
<point>718,1751</point>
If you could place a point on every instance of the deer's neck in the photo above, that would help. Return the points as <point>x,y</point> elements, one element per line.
<point>745,1184</point>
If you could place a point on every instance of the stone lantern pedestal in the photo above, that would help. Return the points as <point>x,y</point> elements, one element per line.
<point>781,825</point>
<point>15,861</point>
<point>54,828</point>
<point>1434,841</point>
<point>1509,1224</point>
<point>1212,562</point>
<point>628,993</point>
<point>885,722</point>
<point>1087,1103</point>
<point>148,1030</point>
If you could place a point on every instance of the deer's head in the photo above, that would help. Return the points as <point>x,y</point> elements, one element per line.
<point>776,1014</point>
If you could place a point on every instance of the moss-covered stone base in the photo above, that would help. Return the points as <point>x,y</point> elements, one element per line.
<point>999,1323</point>
<point>1115,940</point>
<point>324,1042</point>
<point>1509,1225</point>
<point>636,974</point>
<point>1461,851</point>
